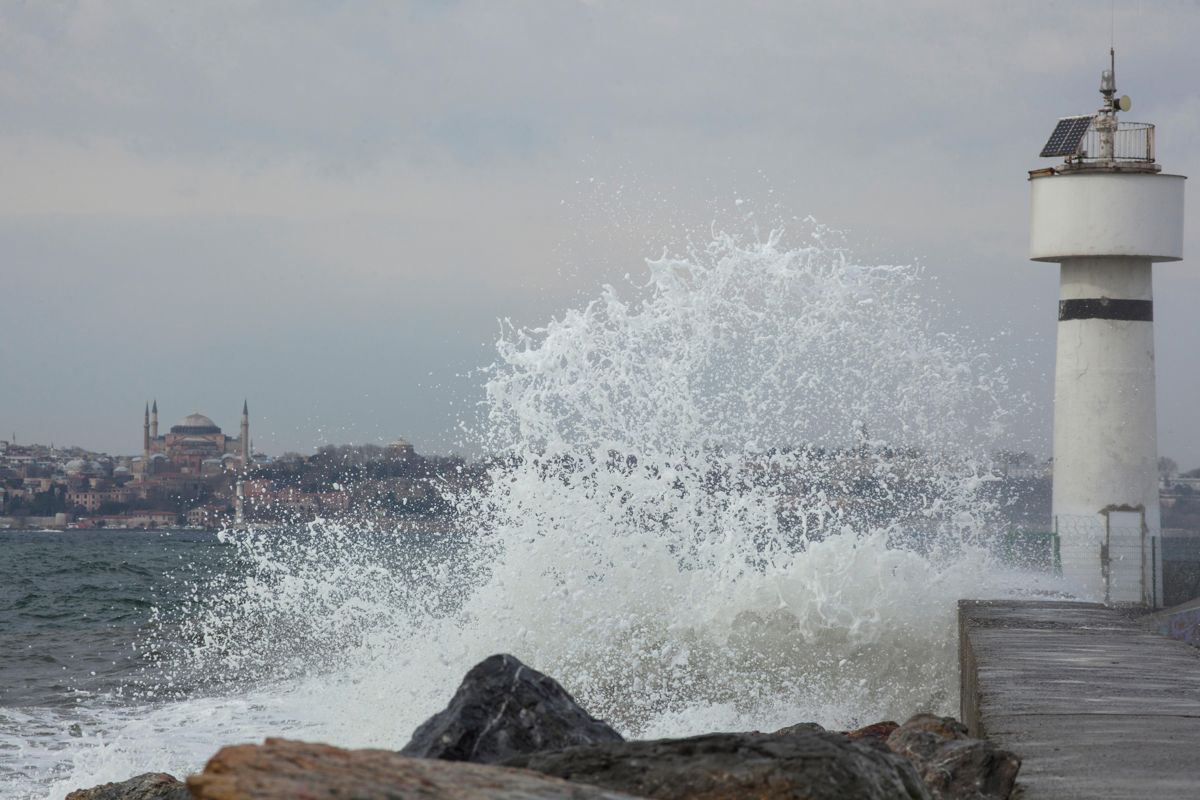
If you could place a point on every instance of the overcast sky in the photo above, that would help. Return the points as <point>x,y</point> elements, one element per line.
<point>326,207</point>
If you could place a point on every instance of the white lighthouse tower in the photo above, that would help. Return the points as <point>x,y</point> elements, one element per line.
<point>1105,215</point>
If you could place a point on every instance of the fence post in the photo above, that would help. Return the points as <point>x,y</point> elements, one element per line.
<point>1105,565</point>
<point>1154,571</point>
<point>1056,549</point>
<point>1142,558</point>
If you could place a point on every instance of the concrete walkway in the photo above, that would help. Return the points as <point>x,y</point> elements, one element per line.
<point>1096,705</point>
<point>1180,622</point>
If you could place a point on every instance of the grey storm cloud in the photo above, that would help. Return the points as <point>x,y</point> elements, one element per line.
<point>326,207</point>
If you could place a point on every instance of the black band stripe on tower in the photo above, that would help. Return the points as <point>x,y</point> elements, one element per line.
<point>1106,308</point>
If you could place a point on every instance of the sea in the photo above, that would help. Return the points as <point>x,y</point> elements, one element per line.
<point>117,647</point>
<point>76,611</point>
<point>743,489</point>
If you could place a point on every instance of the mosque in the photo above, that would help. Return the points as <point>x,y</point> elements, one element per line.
<point>195,446</point>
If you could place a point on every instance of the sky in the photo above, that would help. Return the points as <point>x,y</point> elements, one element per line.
<point>327,208</point>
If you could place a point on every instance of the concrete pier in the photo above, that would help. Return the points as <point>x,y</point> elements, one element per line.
<point>1095,704</point>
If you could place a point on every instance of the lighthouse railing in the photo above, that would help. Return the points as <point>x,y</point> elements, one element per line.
<point>1132,141</point>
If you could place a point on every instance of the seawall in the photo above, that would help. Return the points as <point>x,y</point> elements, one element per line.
<point>1095,704</point>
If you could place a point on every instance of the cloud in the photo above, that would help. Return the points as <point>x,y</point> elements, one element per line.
<point>289,172</point>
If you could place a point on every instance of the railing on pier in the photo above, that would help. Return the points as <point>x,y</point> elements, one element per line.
<point>1132,141</point>
<point>1035,550</point>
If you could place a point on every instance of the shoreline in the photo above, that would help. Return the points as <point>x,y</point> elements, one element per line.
<point>510,731</point>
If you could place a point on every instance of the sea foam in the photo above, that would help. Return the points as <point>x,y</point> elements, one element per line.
<point>740,491</point>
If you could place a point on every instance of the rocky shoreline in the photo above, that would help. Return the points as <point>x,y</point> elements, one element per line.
<point>511,732</point>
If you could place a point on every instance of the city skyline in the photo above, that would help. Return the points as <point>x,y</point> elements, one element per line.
<point>328,210</point>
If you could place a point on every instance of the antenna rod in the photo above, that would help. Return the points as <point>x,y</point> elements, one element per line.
<point>1112,24</point>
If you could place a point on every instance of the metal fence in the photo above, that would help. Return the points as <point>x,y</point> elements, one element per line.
<point>1181,566</point>
<point>1029,549</point>
<point>1132,141</point>
<point>1114,556</point>
<point>1131,563</point>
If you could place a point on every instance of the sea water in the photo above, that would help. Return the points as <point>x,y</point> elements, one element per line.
<point>742,490</point>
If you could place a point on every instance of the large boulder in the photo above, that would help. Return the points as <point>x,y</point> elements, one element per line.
<point>875,734</point>
<point>285,770</point>
<point>148,786</point>
<point>502,709</point>
<point>799,727</point>
<point>803,763</point>
<point>953,765</point>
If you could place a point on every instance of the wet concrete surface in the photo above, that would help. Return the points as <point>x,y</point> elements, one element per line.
<point>1095,703</point>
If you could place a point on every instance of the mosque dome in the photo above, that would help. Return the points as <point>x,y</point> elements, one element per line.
<point>400,449</point>
<point>76,465</point>
<point>195,425</point>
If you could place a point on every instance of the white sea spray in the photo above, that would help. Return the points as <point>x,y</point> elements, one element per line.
<point>741,491</point>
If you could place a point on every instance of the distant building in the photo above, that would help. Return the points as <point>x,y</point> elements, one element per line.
<point>194,446</point>
<point>400,450</point>
<point>209,516</point>
<point>133,519</point>
<point>91,500</point>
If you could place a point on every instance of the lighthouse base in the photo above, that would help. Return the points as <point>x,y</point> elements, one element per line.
<point>1105,431</point>
<point>1114,557</point>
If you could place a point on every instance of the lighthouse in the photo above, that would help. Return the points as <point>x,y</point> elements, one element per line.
<point>1105,214</point>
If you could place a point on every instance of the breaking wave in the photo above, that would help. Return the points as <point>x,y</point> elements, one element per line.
<point>743,491</point>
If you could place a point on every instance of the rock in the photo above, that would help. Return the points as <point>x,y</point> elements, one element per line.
<point>953,765</point>
<point>799,727</point>
<point>876,734</point>
<point>503,709</point>
<point>149,786</point>
<point>815,765</point>
<point>285,770</point>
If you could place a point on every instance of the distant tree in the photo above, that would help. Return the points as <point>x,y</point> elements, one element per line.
<point>1167,469</point>
<point>18,507</point>
<point>47,504</point>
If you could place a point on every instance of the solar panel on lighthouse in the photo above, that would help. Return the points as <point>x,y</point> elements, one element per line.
<point>1068,133</point>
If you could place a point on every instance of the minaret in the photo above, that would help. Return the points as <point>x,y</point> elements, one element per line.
<point>245,434</point>
<point>146,434</point>
<point>1105,215</point>
<point>239,503</point>
<point>154,420</point>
